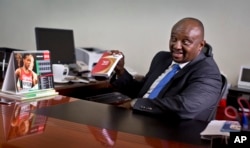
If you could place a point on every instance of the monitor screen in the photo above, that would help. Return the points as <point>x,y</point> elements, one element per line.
<point>245,76</point>
<point>60,43</point>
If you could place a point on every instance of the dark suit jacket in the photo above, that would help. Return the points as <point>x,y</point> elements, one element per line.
<point>191,94</point>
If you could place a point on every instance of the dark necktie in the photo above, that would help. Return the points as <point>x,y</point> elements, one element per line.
<point>164,81</point>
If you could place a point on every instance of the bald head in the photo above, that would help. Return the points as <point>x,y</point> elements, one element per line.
<point>187,40</point>
<point>193,23</point>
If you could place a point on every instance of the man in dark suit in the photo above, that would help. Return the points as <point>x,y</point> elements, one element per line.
<point>191,93</point>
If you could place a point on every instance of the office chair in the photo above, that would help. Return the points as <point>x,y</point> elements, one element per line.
<point>223,90</point>
<point>207,49</point>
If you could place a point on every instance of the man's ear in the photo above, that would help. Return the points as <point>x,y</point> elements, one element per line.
<point>202,44</point>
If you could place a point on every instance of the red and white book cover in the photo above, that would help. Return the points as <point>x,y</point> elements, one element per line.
<point>106,64</point>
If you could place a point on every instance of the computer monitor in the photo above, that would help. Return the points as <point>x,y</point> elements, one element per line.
<point>244,77</point>
<point>60,43</point>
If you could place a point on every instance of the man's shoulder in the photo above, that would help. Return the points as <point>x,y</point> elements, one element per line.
<point>209,61</point>
<point>206,66</point>
<point>163,54</point>
<point>203,60</point>
<point>162,58</point>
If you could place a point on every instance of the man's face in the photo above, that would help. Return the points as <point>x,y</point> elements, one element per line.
<point>186,42</point>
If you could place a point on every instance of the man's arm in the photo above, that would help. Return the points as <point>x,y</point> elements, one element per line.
<point>200,94</point>
<point>132,87</point>
<point>126,84</point>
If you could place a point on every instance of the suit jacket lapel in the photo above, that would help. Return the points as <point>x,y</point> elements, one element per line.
<point>201,56</point>
<point>156,73</point>
<point>161,68</point>
<point>183,71</point>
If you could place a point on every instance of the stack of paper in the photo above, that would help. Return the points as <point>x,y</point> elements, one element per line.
<point>213,130</point>
<point>29,95</point>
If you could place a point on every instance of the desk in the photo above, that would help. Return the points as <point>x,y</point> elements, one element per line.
<point>70,122</point>
<point>81,90</point>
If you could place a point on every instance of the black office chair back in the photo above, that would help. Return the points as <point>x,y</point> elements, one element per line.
<point>207,49</point>
<point>223,90</point>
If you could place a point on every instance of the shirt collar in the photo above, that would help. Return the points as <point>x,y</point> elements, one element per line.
<point>180,64</point>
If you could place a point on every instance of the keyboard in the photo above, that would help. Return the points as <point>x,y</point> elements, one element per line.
<point>76,79</point>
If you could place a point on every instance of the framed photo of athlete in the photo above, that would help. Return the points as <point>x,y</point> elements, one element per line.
<point>28,71</point>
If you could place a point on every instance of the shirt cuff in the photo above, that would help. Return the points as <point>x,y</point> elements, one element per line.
<point>132,103</point>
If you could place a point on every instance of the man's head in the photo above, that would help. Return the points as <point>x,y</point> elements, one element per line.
<point>28,60</point>
<point>187,40</point>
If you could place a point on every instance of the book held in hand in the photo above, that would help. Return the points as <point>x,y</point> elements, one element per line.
<point>106,64</point>
<point>29,75</point>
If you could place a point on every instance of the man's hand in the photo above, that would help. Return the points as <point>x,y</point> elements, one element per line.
<point>119,69</point>
<point>126,105</point>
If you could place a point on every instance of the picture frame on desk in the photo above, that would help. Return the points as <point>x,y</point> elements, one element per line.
<point>29,75</point>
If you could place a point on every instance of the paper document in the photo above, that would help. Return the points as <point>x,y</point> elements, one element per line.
<point>213,129</point>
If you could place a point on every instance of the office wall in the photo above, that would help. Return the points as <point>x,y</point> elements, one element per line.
<point>139,28</point>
